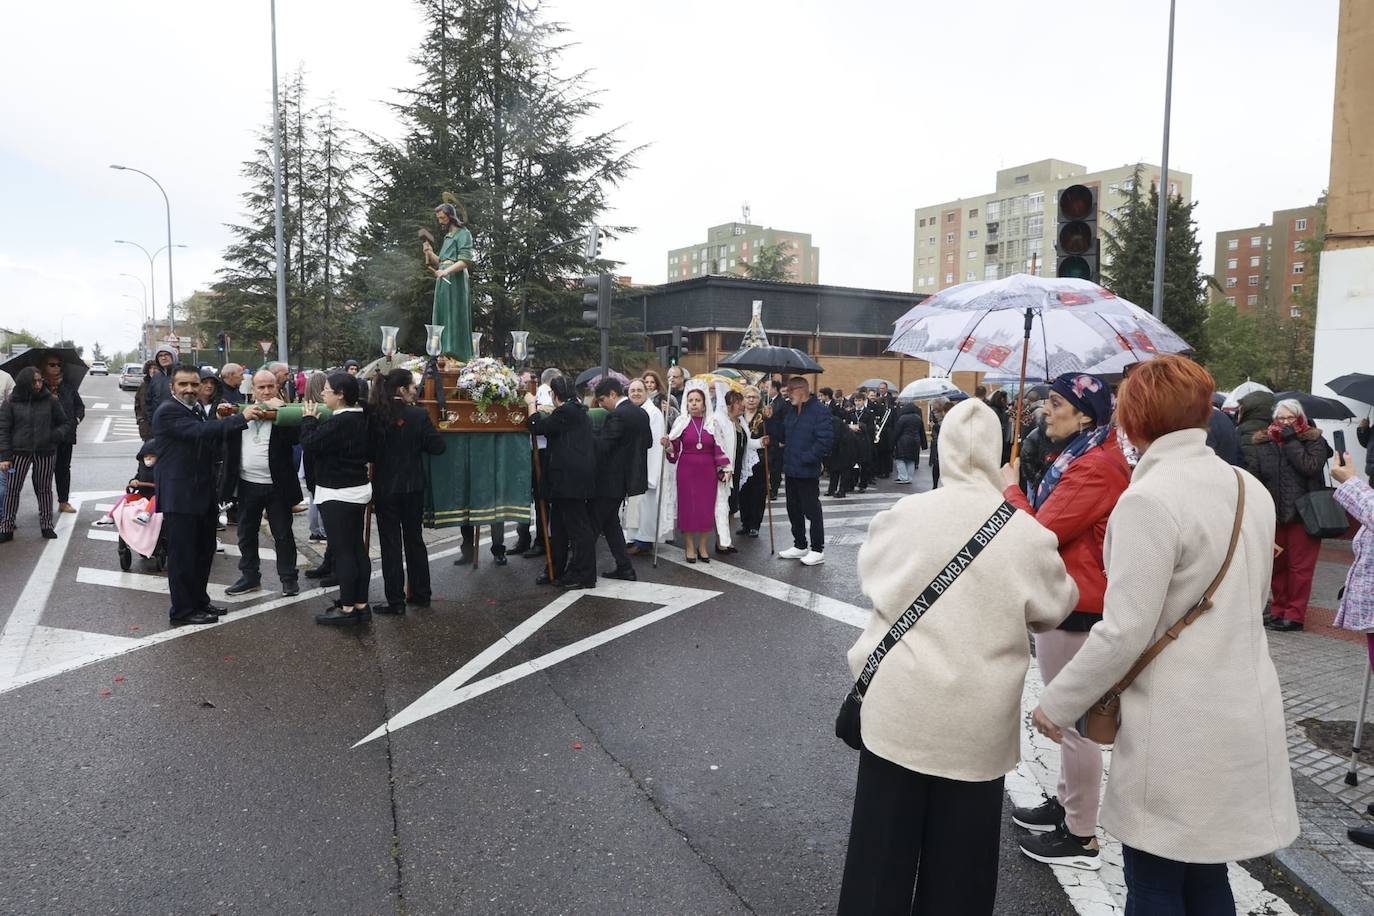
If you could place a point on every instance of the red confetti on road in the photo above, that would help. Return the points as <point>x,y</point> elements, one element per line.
<point>133,629</point>
<point>577,745</point>
<point>228,658</point>
<point>119,679</point>
<point>105,693</point>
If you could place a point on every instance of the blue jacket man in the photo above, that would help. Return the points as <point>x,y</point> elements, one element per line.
<point>806,438</point>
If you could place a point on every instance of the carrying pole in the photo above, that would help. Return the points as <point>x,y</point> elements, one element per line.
<point>658,506</point>
<point>767,496</point>
<point>1021,395</point>
<point>1352,778</point>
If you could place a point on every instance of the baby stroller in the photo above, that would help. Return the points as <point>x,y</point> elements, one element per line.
<point>136,517</point>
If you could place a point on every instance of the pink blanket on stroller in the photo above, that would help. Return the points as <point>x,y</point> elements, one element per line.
<point>140,536</point>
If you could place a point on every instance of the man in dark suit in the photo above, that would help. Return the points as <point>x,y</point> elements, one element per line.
<point>259,472</point>
<point>187,441</point>
<point>622,462</point>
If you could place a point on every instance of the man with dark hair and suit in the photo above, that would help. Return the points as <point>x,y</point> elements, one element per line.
<point>187,441</point>
<point>259,472</point>
<point>622,463</point>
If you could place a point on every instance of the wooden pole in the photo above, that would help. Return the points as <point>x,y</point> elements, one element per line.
<point>768,498</point>
<point>1021,395</point>
<point>658,505</point>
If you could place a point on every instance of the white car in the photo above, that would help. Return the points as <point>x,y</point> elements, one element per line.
<point>99,368</point>
<point>131,378</point>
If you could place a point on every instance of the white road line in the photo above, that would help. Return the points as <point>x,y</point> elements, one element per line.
<point>126,407</point>
<point>230,550</point>
<point>103,405</point>
<point>19,629</point>
<point>104,431</point>
<point>157,585</point>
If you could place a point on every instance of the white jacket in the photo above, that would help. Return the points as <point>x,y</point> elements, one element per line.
<point>946,701</point>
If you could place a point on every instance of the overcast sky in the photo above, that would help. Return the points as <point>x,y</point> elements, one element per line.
<point>833,119</point>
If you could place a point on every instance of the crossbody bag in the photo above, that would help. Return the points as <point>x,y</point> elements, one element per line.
<point>1103,720</point>
<point>847,723</point>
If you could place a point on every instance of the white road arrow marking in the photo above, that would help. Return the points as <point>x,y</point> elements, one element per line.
<point>455,689</point>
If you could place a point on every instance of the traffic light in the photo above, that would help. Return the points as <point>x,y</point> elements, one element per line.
<point>596,304</point>
<point>593,250</point>
<point>1076,244</point>
<point>222,342</point>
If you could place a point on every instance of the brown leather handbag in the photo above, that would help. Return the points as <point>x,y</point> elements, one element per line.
<point>1103,718</point>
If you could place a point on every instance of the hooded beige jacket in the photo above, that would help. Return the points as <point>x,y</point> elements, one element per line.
<point>946,701</point>
<point>1200,767</point>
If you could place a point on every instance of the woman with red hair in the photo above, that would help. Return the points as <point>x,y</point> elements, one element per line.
<point>1199,772</point>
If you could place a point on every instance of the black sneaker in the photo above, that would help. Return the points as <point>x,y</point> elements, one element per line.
<point>1041,819</point>
<point>243,585</point>
<point>1063,848</point>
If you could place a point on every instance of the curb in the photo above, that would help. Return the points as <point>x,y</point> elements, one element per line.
<point>1306,864</point>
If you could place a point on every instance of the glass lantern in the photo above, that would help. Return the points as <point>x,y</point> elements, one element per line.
<point>434,334</point>
<point>476,344</point>
<point>519,346</point>
<point>389,340</point>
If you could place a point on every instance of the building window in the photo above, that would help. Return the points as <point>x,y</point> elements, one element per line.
<point>1232,244</point>
<point>949,217</point>
<point>1252,280</point>
<point>931,241</point>
<point>994,210</point>
<point>930,281</point>
<point>969,275</point>
<point>1256,241</point>
<point>1254,260</point>
<point>1230,300</point>
<point>949,278</point>
<point>1295,312</point>
<point>949,238</point>
<point>1300,225</point>
<point>990,272</point>
<point>973,233</point>
<point>1128,185</point>
<point>1252,300</point>
<point>973,214</point>
<point>1232,263</point>
<point>1295,289</point>
<point>1173,189</point>
<point>1035,202</point>
<point>1035,227</point>
<point>1299,267</point>
<point>923,222</point>
<point>972,255</point>
<point>1297,244</point>
<point>732,262</point>
<point>1230,282</point>
<point>949,258</point>
<point>1021,179</point>
<point>920,282</point>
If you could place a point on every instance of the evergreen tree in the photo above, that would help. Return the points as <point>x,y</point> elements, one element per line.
<point>1128,249</point>
<point>495,124</point>
<point>771,262</point>
<point>1236,349</point>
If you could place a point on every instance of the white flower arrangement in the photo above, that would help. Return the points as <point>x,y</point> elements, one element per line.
<point>489,381</point>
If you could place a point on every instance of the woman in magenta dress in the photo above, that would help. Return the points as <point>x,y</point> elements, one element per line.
<point>691,446</point>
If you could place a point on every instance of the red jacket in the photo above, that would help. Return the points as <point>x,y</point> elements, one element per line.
<point>1077,513</point>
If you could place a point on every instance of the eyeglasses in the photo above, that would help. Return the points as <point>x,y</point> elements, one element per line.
<point>54,365</point>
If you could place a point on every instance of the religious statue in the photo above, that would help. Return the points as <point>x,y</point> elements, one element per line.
<point>452,295</point>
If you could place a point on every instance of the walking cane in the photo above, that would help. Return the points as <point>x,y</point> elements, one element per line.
<point>1352,778</point>
<point>658,506</point>
<point>476,548</point>
<point>367,516</point>
<point>768,483</point>
<point>1021,395</point>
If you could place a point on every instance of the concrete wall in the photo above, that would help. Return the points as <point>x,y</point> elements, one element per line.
<point>1350,208</point>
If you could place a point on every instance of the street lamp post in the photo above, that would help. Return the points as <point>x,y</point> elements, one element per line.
<point>171,294</point>
<point>152,280</point>
<point>1162,217</point>
<point>143,328</point>
<point>282,350</point>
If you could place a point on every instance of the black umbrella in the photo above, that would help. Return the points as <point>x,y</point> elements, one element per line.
<point>73,367</point>
<point>1357,386</point>
<point>772,359</point>
<point>1317,408</point>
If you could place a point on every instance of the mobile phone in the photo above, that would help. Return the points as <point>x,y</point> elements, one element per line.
<point>1339,436</point>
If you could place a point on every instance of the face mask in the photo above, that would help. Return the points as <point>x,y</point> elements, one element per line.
<point>149,461</point>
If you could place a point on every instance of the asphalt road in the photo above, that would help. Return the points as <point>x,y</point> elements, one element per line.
<point>657,747</point>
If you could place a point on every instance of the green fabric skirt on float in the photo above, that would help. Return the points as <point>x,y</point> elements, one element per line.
<point>479,479</point>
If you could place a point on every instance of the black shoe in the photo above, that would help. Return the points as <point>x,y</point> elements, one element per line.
<point>535,551</point>
<point>418,602</point>
<point>243,585</point>
<point>691,559</point>
<point>396,609</point>
<point>195,618</point>
<point>49,533</point>
<point>628,574</point>
<point>743,531</point>
<point>464,556</point>
<point>753,532</point>
<point>573,586</point>
<point>290,587</point>
<point>1364,836</point>
<point>336,616</point>
<point>6,537</point>
<point>318,572</point>
<point>521,545</point>
<point>329,582</point>
<point>218,610</point>
<point>499,559</point>
<point>723,551</point>
<point>1059,847</point>
<point>543,579</point>
<point>704,558</point>
<point>1284,625</point>
<point>317,538</point>
<point>1041,819</point>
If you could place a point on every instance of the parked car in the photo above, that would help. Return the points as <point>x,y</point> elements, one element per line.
<point>98,367</point>
<point>131,377</point>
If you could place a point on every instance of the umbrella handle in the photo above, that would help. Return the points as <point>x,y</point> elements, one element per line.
<point>1021,395</point>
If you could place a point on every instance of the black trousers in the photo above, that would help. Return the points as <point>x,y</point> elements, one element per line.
<point>343,524</point>
<point>606,518</point>
<point>62,473</point>
<point>404,555</point>
<point>920,844</point>
<point>573,541</point>
<point>752,497</point>
<point>803,505</point>
<point>497,532</point>
<point>775,470</point>
<point>190,539</point>
<point>255,499</point>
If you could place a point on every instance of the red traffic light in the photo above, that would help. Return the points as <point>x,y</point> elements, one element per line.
<point>1075,238</point>
<point>1076,202</point>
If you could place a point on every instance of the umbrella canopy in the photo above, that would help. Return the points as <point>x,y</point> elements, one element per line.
<point>73,366</point>
<point>727,373</point>
<point>928,389</point>
<point>1241,390</point>
<point>1357,386</point>
<point>1078,326</point>
<point>873,383</point>
<point>1317,407</point>
<point>772,359</point>
<point>590,377</point>
<point>710,379</point>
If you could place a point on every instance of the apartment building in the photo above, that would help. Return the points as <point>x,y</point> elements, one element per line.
<point>1266,265</point>
<point>730,247</point>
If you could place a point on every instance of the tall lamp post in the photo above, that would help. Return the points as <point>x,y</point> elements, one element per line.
<point>143,323</point>
<point>171,295</point>
<point>153,287</point>
<point>1162,217</point>
<point>282,353</point>
<point>143,328</point>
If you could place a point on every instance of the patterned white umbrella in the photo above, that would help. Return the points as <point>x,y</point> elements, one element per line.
<point>928,389</point>
<point>1077,326</point>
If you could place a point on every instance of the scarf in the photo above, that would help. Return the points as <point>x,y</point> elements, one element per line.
<point>1078,446</point>
<point>1276,430</point>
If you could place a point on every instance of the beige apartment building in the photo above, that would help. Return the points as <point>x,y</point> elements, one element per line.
<point>730,247</point>
<point>1011,230</point>
<point>1266,265</point>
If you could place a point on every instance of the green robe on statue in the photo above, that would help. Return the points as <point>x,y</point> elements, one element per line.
<point>452,303</point>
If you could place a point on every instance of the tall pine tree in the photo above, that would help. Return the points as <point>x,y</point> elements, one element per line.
<point>1128,268</point>
<point>493,122</point>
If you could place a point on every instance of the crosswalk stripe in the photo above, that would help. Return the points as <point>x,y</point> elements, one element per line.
<point>103,405</point>
<point>126,407</point>
<point>155,584</point>
<point>230,550</point>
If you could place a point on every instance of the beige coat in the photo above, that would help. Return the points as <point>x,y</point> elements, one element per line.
<point>1200,768</point>
<point>946,700</point>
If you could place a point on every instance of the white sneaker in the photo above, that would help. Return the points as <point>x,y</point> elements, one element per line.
<point>793,553</point>
<point>813,558</point>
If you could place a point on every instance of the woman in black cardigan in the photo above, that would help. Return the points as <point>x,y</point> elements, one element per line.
<point>342,491</point>
<point>569,483</point>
